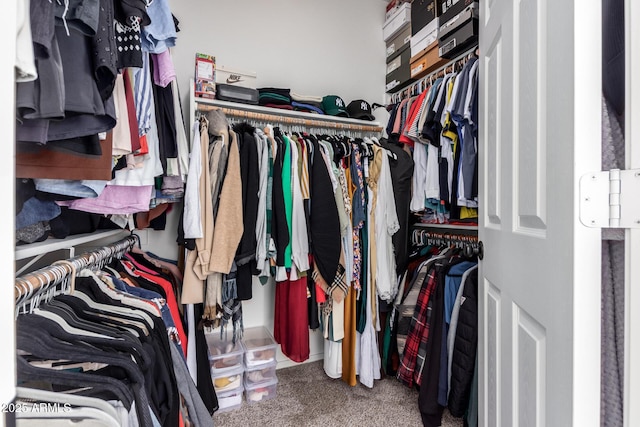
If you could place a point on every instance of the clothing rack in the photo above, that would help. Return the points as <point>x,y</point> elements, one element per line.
<point>420,85</point>
<point>40,282</point>
<point>467,240</point>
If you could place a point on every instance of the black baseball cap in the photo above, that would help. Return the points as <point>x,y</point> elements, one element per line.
<point>360,109</point>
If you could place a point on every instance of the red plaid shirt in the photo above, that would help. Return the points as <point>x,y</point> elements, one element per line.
<point>409,371</point>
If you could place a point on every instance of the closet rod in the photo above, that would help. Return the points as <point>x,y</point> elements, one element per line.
<point>265,117</point>
<point>406,92</point>
<point>41,280</point>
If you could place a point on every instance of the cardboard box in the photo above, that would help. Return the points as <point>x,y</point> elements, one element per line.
<point>205,76</point>
<point>395,46</point>
<point>422,13</point>
<point>427,61</point>
<point>425,37</point>
<point>397,22</point>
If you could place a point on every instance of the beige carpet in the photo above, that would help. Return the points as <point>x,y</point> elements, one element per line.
<point>307,397</point>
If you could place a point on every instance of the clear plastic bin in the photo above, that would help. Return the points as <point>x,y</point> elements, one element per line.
<point>229,380</point>
<point>224,356</point>
<point>261,392</point>
<point>260,374</point>
<point>260,347</point>
<point>230,400</point>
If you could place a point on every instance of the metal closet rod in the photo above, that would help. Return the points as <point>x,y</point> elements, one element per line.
<point>409,89</point>
<point>264,117</point>
<point>45,278</point>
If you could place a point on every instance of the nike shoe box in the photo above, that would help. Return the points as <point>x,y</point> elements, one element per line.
<point>234,77</point>
<point>423,12</point>
<point>460,33</point>
<point>397,43</point>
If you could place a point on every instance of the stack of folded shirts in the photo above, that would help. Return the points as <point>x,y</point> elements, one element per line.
<point>307,103</point>
<point>275,98</point>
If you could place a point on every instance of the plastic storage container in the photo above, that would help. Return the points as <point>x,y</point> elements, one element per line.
<point>260,347</point>
<point>260,392</point>
<point>260,374</point>
<point>230,400</point>
<point>229,380</point>
<point>224,356</point>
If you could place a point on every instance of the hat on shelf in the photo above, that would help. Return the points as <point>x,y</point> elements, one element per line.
<point>360,109</point>
<point>334,106</point>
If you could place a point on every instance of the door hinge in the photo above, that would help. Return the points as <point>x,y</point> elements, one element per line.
<point>610,199</point>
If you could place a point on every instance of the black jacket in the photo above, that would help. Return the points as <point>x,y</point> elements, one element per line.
<point>464,348</point>
<point>250,175</point>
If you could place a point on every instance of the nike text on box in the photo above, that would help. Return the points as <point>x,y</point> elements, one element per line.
<point>235,77</point>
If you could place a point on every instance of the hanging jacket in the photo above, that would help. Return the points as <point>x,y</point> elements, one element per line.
<point>465,347</point>
<point>249,170</point>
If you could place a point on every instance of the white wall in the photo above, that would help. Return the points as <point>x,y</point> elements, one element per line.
<point>313,47</point>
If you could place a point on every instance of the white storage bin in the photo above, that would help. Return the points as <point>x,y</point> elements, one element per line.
<point>224,356</point>
<point>260,374</point>
<point>230,400</point>
<point>229,380</point>
<point>260,347</point>
<point>260,392</point>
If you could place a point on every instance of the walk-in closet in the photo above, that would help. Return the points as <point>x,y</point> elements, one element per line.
<point>297,213</point>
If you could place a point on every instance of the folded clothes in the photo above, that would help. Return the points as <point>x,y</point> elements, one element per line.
<point>280,106</point>
<point>305,98</point>
<point>306,107</point>
<point>273,98</point>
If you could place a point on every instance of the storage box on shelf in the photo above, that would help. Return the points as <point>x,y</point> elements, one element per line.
<point>230,400</point>
<point>399,71</point>
<point>396,45</point>
<point>398,21</point>
<point>261,391</point>
<point>260,374</point>
<point>260,347</point>
<point>458,28</point>
<point>224,356</point>
<point>426,61</point>
<point>423,12</point>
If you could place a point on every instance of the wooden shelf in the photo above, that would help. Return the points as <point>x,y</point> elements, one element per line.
<point>50,245</point>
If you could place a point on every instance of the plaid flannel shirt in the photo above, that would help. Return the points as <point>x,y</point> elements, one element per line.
<point>409,371</point>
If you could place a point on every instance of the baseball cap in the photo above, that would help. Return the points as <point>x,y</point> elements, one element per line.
<point>334,106</point>
<point>360,109</point>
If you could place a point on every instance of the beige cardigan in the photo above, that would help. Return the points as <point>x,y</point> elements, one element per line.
<point>196,267</point>
<point>229,221</point>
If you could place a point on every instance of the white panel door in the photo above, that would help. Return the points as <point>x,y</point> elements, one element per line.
<point>539,354</point>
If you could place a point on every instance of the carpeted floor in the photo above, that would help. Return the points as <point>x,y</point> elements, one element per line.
<point>305,396</point>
